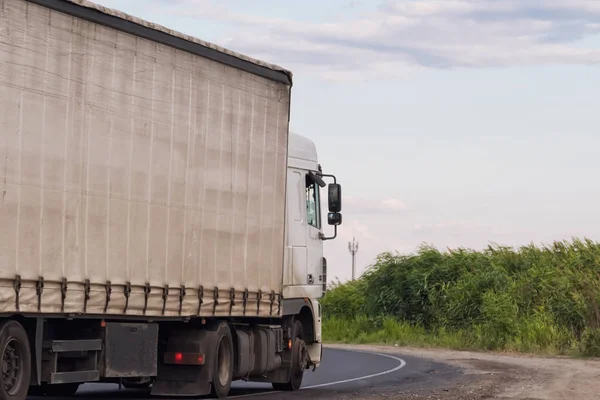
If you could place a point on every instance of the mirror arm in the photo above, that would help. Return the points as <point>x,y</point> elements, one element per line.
<point>335,232</point>
<point>329,176</point>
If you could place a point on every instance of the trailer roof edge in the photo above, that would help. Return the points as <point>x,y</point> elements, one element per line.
<point>126,23</point>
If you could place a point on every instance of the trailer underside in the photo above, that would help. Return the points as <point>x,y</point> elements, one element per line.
<point>48,355</point>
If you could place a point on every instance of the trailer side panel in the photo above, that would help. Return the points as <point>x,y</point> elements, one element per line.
<point>136,178</point>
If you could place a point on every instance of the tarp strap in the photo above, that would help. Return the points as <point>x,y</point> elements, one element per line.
<point>259,296</point>
<point>127,292</point>
<point>165,296</point>
<point>63,293</point>
<point>280,300</point>
<point>182,293</point>
<point>245,299</point>
<point>39,289</point>
<point>200,298</point>
<point>147,290</point>
<point>232,298</point>
<point>108,289</point>
<point>17,286</point>
<point>272,298</point>
<point>87,287</point>
<point>215,299</point>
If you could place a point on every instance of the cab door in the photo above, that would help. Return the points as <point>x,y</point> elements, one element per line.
<point>296,240</point>
<point>314,222</point>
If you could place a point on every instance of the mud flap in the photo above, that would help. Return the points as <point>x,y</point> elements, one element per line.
<point>315,355</point>
<point>182,381</point>
<point>187,380</point>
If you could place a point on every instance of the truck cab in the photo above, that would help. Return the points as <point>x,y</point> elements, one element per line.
<point>305,269</point>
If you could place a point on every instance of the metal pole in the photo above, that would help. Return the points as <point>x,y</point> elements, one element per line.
<point>353,248</point>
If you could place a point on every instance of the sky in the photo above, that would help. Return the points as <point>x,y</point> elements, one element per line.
<point>455,123</point>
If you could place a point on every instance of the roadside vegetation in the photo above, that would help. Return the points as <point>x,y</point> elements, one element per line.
<point>532,299</point>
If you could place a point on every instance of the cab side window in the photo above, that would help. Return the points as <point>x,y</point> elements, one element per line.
<point>313,203</point>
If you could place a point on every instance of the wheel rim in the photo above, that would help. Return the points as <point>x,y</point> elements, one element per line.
<point>12,367</point>
<point>224,360</point>
<point>302,356</point>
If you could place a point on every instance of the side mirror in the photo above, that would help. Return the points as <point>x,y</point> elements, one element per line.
<point>335,207</point>
<point>335,198</point>
<point>334,219</point>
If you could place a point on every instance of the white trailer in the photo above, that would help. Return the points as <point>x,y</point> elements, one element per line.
<point>159,225</point>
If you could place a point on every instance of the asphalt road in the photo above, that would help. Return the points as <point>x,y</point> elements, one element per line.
<point>342,372</point>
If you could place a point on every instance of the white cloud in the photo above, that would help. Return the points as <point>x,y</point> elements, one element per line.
<point>393,204</point>
<point>357,230</point>
<point>401,36</point>
<point>440,226</point>
<point>364,206</point>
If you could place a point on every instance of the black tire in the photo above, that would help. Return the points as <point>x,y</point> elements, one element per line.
<point>16,357</point>
<point>62,390</point>
<point>298,364</point>
<point>137,384</point>
<point>223,362</point>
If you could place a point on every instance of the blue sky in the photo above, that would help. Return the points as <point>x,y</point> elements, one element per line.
<point>451,122</point>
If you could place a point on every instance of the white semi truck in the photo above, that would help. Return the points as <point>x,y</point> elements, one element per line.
<point>159,225</point>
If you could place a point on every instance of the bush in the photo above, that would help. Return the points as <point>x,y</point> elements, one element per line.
<point>344,299</point>
<point>533,299</point>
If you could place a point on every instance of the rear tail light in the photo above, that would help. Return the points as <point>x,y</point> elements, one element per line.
<point>184,358</point>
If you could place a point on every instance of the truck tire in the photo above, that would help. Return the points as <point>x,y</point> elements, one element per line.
<point>142,383</point>
<point>223,362</point>
<point>16,359</point>
<point>298,362</point>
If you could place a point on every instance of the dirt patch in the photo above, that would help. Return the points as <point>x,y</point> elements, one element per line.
<point>469,388</point>
<point>502,376</point>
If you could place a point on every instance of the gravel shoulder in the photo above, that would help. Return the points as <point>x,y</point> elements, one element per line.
<point>500,376</point>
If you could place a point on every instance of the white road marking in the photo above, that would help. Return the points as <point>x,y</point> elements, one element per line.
<point>401,364</point>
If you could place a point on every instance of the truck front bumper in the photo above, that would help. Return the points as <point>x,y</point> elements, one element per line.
<point>315,355</point>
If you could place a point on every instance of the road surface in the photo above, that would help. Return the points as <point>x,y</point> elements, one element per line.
<point>342,373</point>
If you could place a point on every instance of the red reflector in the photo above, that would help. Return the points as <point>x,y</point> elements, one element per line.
<point>184,358</point>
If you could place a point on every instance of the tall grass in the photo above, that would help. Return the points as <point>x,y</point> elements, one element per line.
<point>530,299</point>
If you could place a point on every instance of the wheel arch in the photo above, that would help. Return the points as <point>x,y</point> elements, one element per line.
<point>301,310</point>
<point>306,318</point>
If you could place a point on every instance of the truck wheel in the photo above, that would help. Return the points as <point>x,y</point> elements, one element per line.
<point>299,358</point>
<point>223,362</point>
<point>16,361</point>
<point>142,383</point>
